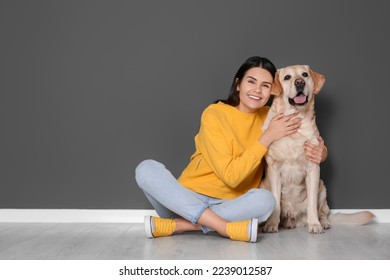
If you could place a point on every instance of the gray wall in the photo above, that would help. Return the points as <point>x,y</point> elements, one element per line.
<point>90,88</point>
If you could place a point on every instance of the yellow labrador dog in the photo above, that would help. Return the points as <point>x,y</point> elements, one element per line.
<point>295,181</point>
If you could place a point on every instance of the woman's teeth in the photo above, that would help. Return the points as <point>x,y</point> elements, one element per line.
<point>254,97</point>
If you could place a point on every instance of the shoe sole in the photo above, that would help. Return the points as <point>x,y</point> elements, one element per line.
<point>148,226</point>
<point>254,225</point>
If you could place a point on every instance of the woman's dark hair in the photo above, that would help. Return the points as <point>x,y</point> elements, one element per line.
<point>254,61</point>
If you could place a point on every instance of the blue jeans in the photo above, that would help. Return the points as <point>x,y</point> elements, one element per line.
<point>172,200</point>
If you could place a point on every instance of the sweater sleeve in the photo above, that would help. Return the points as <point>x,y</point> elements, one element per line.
<point>216,149</point>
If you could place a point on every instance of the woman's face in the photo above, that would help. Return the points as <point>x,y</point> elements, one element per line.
<point>254,90</point>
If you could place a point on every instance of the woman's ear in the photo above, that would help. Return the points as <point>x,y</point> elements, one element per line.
<point>277,88</point>
<point>237,82</point>
<point>319,81</point>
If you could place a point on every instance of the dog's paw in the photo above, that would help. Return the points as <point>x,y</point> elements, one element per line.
<point>270,228</point>
<point>325,223</point>
<point>315,228</point>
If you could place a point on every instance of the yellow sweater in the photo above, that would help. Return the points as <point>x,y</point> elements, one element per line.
<point>228,160</point>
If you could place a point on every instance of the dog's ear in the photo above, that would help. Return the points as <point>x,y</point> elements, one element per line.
<point>276,85</point>
<point>319,81</point>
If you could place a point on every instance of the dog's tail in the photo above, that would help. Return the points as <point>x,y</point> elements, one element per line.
<point>358,218</point>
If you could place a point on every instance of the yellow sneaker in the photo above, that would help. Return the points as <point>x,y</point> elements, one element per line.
<point>243,230</point>
<point>158,227</point>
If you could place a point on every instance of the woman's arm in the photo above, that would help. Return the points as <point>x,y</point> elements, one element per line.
<point>217,150</point>
<point>279,127</point>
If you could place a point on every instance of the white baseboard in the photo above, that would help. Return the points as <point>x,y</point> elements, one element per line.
<point>114,216</point>
<point>73,215</point>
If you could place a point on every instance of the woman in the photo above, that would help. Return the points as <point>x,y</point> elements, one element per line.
<point>218,190</point>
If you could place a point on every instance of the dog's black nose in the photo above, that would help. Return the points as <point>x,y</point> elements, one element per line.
<point>299,84</point>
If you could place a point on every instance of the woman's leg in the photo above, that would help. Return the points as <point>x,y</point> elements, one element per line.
<point>181,223</point>
<point>166,194</point>
<point>172,200</point>
<point>164,190</point>
<point>256,203</point>
<point>212,221</point>
<point>208,219</point>
<point>161,210</point>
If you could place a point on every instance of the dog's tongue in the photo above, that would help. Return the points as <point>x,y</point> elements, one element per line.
<point>300,99</point>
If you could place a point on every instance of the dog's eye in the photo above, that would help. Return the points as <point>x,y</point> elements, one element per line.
<point>287,77</point>
<point>304,74</point>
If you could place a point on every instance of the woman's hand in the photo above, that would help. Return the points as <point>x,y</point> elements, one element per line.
<point>279,127</point>
<point>316,153</point>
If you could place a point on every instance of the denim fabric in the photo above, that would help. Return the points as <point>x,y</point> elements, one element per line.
<point>171,200</point>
